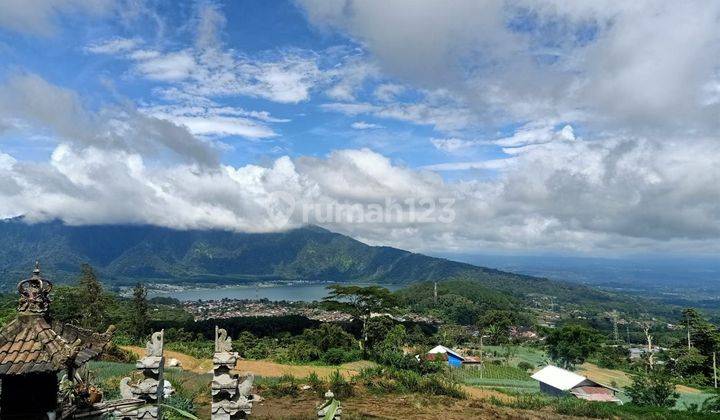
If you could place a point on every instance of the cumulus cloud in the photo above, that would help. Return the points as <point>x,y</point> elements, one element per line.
<point>611,63</point>
<point>30,104</point>
<point>642,176</point>
<point>620,194</point>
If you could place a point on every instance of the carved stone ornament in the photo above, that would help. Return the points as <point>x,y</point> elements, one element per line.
<point>34,293</point>
<point>223,344</point>
<point>154,347</point>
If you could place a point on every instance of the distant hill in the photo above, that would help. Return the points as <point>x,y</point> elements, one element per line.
<point>124,254</point>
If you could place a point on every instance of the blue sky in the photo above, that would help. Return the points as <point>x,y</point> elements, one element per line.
<point>256,31</point>
<point>564,128</point>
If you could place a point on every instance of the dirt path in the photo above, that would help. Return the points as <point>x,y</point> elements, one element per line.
<point>260,367</point>
<point>271,369</point>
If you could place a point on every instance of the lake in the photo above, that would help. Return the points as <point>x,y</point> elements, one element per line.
<point>304,293</point>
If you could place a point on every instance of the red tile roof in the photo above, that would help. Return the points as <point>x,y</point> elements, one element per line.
<point>30,344</point>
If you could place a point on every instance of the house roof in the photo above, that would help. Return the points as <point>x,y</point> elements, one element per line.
<point>443,349</point>
<point>558,378</point>
<point>29,343</point>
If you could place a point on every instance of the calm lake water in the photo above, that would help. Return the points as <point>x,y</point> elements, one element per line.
<point>305,293</point>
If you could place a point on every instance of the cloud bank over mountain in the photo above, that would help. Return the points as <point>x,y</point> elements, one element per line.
<point>549,126</point>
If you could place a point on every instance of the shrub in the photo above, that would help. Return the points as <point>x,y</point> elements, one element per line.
<point>329,336</point>
<point>391,380</point>
<point>334,356</point>
<point>286,385</point>
<point>655,388</point>
<point>113,353</point>
<point>302,351</point>
<point>318,385</point>
<point>525,366</point>
<point>339,386</point>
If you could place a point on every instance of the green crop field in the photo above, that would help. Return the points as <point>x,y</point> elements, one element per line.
<point>518,354</point>
<point>507,378</point>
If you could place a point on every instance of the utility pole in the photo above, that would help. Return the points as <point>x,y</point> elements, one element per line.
<point>687,318</point>
<point>646,326</point>
<point>614,315</point>
<point>714,370</point>
<point>435,293</point>
<point>627,331</point>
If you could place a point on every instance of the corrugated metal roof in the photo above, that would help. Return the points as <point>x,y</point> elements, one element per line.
<point>558,378</point>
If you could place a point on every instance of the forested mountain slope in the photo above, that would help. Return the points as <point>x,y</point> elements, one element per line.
<point>128,253</point>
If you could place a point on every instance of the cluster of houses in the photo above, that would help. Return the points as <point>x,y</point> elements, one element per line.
<point>553,380</point>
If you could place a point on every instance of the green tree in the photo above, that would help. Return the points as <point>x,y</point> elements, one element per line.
<point>138,317</point>
<point>91,294</point>
<point>395,339</point>
<point>360,302</point>
<point>329,336</point>
<point>571,345</point>
<point>496,324</point>
<point>654,388</point>
<point>376,330</point>
<point>457,309</point>
<point>694,360</point>
<point>452,335</point>
<point>66,305</point>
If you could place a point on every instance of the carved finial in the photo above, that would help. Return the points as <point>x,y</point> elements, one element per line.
<point>223,344</point>
<point>34,293</point>
<point>154,347</point>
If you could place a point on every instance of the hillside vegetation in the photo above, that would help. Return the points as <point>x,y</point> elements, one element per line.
<point>125,254</point>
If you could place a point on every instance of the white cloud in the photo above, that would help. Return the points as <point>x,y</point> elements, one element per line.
<point>38,17</point>
<point>452,145</point>
<point>388,92</point>
<point>176,66</point>
<point>61,114</point>
<point>537,132</point>
<point>615,64</point>
<point>113,46</point>
<point>362,125</point>
<point>346,79</point>
<point>442,115</point>
<point>211,21</point>
<point>616,195</point>
<point>217,121</point>
<point>491,164</point>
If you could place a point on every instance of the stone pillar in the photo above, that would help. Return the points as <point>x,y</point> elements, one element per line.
<point>150,389</point>
<point>231,398</point>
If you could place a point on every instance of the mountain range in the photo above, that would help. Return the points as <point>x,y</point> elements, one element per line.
<point>125,254</point>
